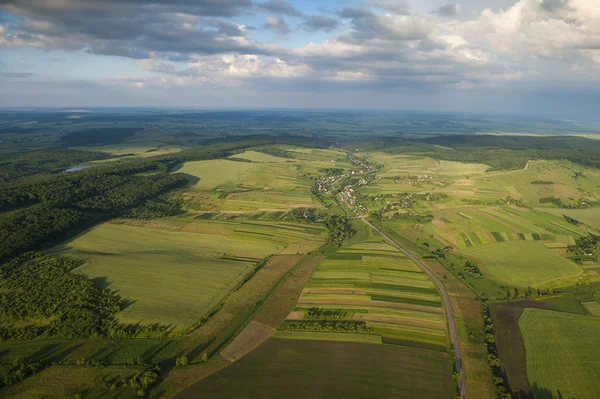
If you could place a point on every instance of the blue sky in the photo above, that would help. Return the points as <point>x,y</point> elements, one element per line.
<point>499,56</point>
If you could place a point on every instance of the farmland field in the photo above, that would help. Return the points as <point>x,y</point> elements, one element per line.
<point>135,261</point>
<point>590,216</point>
<point>369,284</point>
<point>562,352</point>
<point>524,263</point>
<point>316,369</point>
<point>268,183</point>
<point>206,171</point>
<point>262,299</point>
<point>255,156</point>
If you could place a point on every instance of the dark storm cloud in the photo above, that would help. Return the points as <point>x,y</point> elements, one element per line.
<point>215,8</point>
<point>320,22</point>
<point>134,28</point>
<point>449,10</point>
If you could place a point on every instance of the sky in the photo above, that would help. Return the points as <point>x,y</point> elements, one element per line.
<point>539,57</point>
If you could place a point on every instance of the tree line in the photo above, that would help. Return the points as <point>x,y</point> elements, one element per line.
<point>40,295</point>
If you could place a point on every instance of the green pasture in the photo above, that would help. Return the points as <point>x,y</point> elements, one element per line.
<point>171,277</point>
<point>523,263</point>
<point>562,352</point>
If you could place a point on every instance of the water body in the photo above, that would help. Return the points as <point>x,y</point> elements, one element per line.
<point>77,168</point>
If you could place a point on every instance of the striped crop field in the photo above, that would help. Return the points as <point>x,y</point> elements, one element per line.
<point>476,226</point>
<point>369,289</point>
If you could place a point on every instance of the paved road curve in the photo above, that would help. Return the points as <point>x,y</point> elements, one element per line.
<point>451,323</point>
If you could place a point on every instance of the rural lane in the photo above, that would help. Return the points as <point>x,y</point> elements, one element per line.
<point>451,322</point>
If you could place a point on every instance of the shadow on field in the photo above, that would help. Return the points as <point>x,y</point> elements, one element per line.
<point>197,351</point>
<point>54,353</point>
<point>127,303</point>
<point>543,393</point>
<point>151,353</point>
<point>192,180</point>
<point>166,366</point>
<point>3,353</point>
<point>101,282</point>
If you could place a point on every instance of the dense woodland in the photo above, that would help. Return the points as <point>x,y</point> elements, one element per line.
<point>52,161</point>
<point>40,296</point>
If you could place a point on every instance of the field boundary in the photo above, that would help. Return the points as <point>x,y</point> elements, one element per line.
<point>249,339</point>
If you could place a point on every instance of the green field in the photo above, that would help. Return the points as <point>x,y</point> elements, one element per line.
<point>523,263</point>
<point>217,172</point>
<point>370,282</point>
<point>450,168</point>
<point>313,369</point>
<point>267,184</point>
<point>255,156</point>
<point>172,277</point>
<point>562,353</point>
<point>589,216</point>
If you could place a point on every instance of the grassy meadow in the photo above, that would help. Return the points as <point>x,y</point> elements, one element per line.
<point>562,356</point>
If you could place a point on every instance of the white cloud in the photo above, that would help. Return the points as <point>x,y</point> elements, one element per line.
<point>529,30</point>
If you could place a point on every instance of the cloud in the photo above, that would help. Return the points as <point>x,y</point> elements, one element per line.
<point>449,10</point>
<point>281,7</point>
<point>368,25</point>
<point>131,28</point>
<point>278,24</point>
<point>320,22</point>
<point>533,31</point>
<point>382,46</point>
<point>553,5</point>
<point>393,6</point>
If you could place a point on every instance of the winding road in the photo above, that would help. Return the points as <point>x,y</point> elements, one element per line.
<point>451,323</point>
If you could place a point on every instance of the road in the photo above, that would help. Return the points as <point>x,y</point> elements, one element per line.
<point>451,322</point>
